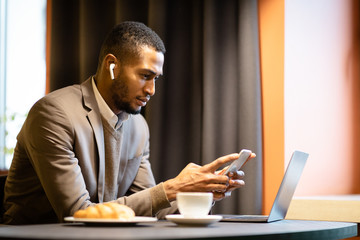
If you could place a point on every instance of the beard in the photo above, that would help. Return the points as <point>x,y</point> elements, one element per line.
<point>120,96</point>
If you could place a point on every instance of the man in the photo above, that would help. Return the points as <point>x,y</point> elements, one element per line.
<point>87,144</point>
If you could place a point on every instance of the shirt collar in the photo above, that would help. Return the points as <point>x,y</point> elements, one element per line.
<point>114,120</point>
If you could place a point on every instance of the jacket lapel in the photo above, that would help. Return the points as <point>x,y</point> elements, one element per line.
<point>94,118</point>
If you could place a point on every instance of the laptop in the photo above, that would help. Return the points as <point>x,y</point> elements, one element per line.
<point>284,194</point>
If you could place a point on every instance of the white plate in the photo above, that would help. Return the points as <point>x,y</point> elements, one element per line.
<point>104,221</point>
<point>202,221</point>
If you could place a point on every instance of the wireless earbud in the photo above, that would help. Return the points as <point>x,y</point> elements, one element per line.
<point>112,66</point>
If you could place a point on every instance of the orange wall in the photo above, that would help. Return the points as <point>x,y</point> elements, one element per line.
<point>310,85</point>
<point>271,30</point>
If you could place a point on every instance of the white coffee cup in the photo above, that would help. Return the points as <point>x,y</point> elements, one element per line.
<point>194,204</point>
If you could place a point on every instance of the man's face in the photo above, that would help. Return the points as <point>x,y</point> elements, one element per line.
<point>135,84</point>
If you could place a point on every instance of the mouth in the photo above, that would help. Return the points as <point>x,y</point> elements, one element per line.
<point>142,101</point>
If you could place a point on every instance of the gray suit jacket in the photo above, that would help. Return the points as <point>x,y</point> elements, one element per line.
<point>58,164</point>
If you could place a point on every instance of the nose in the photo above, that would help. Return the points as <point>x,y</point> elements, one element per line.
<point>150,87</point>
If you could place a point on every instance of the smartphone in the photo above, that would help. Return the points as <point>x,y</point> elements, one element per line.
<point>238,163</point>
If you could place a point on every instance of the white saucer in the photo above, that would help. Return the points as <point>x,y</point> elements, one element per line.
<point>106,221</point>
<point>201,221</point>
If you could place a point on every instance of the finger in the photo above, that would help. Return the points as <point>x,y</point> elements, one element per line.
<point>221,172</point>
<point>235,184</point>
<point>216,187</point>
<point>218,196</point>
<point>236,175</point>
<point>220,161</point>
<point>211,178</point>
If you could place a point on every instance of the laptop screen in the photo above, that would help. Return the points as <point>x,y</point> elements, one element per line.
<point>288,186</point>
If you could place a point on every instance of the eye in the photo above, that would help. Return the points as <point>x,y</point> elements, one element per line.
<point>146,76</point>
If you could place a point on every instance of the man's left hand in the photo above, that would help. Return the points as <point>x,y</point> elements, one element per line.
<point>235,182</point>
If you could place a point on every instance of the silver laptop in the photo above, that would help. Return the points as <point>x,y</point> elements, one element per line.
<point>284,194</point>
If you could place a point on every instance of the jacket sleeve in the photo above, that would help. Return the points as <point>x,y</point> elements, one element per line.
<point>144,196</point>
<point>49,144</point>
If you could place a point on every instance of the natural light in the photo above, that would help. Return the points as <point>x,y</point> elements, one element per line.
<point>23,28</point>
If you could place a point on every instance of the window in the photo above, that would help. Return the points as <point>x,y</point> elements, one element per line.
<point>22,67</point>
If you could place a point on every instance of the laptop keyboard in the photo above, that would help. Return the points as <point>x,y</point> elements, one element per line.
<point>245,218</point>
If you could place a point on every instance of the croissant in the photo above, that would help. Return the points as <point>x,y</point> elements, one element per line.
<point>106,210</point>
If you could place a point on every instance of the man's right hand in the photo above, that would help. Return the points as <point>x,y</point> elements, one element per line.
<point>195,178</point>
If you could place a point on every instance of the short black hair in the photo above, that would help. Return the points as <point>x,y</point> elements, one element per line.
<point>126,39</point>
